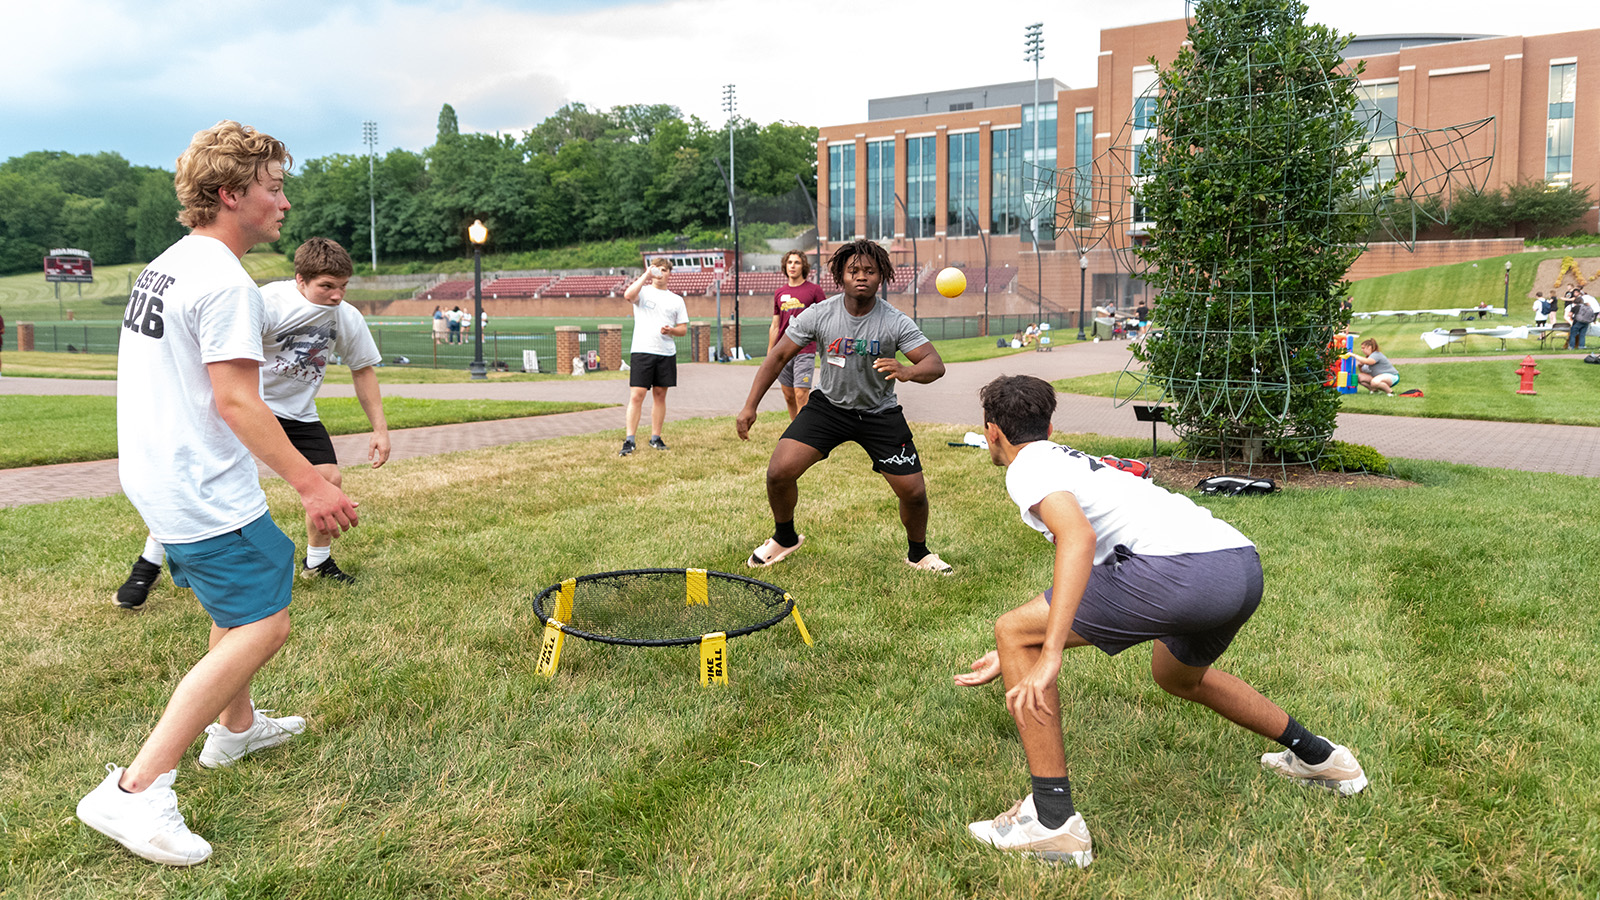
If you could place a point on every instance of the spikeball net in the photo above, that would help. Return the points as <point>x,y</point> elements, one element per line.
<point>661,608</point>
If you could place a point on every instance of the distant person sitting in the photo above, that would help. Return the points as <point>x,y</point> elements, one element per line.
<point>1376,373</point>
<point>1030,334</point>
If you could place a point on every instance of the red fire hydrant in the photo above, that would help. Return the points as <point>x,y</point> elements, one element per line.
<point>1527,371</point>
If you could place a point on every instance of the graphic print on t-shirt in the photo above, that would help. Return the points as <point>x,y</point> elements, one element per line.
<point>143,313</point>
<point>303,355</point>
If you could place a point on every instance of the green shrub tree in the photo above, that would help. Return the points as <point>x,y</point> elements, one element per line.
<point>1254,173</point>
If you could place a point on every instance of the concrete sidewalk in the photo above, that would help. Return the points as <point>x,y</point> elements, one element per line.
<point>706,390</point>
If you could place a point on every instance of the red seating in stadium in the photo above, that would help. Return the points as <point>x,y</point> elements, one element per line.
<point>518,286</point>
<point>448,291</point>
<point>587,286</point>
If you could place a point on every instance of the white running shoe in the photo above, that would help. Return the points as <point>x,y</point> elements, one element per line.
<point>1339,772</point>
<point>224,747</point>
<point>147,823</point>
<point>1021,832</point>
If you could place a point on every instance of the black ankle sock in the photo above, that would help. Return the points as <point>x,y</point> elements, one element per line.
<point>1052,797</point>
<point>1307,746</point>
<point>917,550</point>
<point>785,534</point>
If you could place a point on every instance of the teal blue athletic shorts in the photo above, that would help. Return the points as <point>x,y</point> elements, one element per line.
<point>239,577</point>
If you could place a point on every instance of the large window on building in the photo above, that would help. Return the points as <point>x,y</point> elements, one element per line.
<point>1083,168</point>
<point>921,176</point>
<point>841,192</point>
<point>1142,127</point>
<point>1378,106</point>
<point>961,191</point>
<point>1558,135</point>
<point>1005,181</point>
<point>1039,170</point>
<point>880,189</point>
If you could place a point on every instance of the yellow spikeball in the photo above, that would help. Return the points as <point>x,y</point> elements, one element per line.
<point>951,282</point>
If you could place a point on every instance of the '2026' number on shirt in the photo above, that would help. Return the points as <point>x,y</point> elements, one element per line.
<point>143,315</point>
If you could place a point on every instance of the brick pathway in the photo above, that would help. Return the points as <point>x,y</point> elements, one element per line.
<point>710,390</point>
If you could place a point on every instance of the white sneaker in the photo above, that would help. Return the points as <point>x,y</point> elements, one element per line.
<point>147,823</point>
<point>1021,832</point>
<point>1339,772</point>
<point>224,747</point>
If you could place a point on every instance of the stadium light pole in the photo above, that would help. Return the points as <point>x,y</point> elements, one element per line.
<point>479,233</point>
<point>817,223</point>
<point>369,136</point>
<point>728,103</point>
<point>1035,52</point>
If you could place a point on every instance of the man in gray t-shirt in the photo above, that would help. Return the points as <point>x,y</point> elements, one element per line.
<point>857,338</point>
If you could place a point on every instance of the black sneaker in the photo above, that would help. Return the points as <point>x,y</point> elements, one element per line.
<point>136,589</point>
<point>627,447</point>
<point>327,569</point>
<point>656,443</point>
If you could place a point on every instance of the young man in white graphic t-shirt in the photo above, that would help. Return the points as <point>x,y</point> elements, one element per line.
<point>304,322</point>
<point>189,417</point>
<point>1133,563</point>
<point>658,316</point>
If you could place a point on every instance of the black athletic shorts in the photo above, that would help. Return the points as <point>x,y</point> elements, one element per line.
<point>1195,603</point>
<point>884,435</point>
<point>652,370</point>
<point>312,440</point>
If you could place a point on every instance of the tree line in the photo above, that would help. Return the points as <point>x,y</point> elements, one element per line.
<point>580,175</point>
<point>100,203</point>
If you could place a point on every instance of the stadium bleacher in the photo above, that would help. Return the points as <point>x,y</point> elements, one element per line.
<point>586,286</point>
<point>518,286</point>
<point>446,291</point>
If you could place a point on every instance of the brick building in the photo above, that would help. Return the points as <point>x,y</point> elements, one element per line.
<point>939,176</point>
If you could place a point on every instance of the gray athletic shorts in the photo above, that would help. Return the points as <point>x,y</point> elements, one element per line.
<point>1194,603</point>
<point>796,373</point>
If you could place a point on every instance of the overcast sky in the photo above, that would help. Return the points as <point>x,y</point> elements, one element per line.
<point>140,78</point>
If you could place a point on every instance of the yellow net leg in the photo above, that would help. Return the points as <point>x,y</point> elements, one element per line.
<point>714,659</point>
<point>550,651</point>
<point>564,600</point>
<point>697,594</point>
<point>804,634</point>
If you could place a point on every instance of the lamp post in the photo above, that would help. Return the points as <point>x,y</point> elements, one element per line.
<point>479,233</point>
<point>983,238</point>
<point>1083,275</point>
<point>916,271</point>
<point>369,136</point>
<point>1035,52</point>
<point>1506,303</point>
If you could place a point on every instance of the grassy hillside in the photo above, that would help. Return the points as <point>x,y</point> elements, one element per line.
<point>1457,284</point>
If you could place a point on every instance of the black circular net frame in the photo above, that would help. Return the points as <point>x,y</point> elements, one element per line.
<point>651,608</point>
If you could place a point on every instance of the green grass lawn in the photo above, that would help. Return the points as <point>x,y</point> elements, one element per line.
<point>437,763</point>
<point>1455,390</point>
<point>47,430</point>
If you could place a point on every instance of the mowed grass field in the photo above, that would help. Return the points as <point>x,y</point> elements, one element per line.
<point>1412,623</point>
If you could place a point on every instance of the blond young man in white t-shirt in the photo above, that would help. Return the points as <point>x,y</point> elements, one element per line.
<point>658,316</point>
<point>1134,563</point>
<point>189,418</point>
<point>304,323</point>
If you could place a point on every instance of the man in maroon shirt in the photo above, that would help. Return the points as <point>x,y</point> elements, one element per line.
<point>795,377</point>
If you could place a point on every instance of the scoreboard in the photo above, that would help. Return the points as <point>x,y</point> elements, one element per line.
<point>68,265</point>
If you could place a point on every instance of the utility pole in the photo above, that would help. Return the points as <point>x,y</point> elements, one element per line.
<point>369,136</point>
